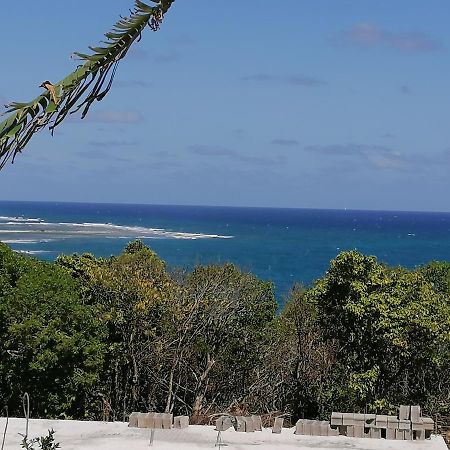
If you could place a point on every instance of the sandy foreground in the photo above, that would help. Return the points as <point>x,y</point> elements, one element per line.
<point>76,435</point>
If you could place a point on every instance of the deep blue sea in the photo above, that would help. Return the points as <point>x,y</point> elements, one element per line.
<point>282,245</point>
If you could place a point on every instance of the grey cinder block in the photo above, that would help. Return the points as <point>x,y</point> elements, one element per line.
<point>336,418</point>
<point>277,425</point>
<point>315,428</point>
<point>180,422</point>
<point>392,422</point>
<point>404,412</point>
<point>299,427</point>
<point>404,424</point>
<point>333,430</point>
<point>390,433</point>
<point>347,419</point>
<point>358,431</point>
<point>248,424</point>
<point>158,421</point>
<point>381,421</point>
<point>408,435</point>
<point>369,419</point>
<point>223,423</point>
<point>167,420</point>
<point>323,427</point>
<point>375,433</point>
<point>133,420</point>
<point>400,435</point>
<point>146,420</point>
<point>351,431</point>
<point>415,414</point>
<point>419,435</point>
<point>239,425</point>
<point>428,423</point>
<point>257,424</point>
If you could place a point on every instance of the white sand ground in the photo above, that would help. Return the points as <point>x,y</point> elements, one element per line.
<point>75,435</point>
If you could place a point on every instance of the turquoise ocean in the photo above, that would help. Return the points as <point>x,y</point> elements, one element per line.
<point>282,245</point>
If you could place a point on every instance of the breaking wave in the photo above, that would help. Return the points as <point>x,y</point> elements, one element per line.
<point>22,230</point>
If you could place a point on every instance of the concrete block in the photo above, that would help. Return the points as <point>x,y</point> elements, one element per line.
<point>167,421</point>
<point>323,427</point>
<point>223,423</point>
<point>336,418</point>
<point>428,423</point>
<point>390,434</point>
<point>315,428</point>
<point>133,420</point>
<point>307,427</point>
<point>392,422</point>
<point>419,435</point>
<point>180,422</point>
<point>415,414</point>
<point>347,419</point>
<point>158,421</point>
<point>141,420</point>
<point>277,425</point>
<point>404,424</point>
<point>381,421</point>
<point>404,412</point>
<point>257,424</point>
<point>248,425</point>
<point>417,426</point>
<point>358,432</point>
<point>370,420</point>
<point>375,433</point>
<point>333,430</point>
<point>239,425</point>
<point>299,427</point>
<point>350,431</point>
<point>400,435</point>
<point>408,435</point>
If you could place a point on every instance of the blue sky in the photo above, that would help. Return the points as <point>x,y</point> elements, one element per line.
<point>317,104</point>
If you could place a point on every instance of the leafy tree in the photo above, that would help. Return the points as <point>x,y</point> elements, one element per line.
<point>90,82</point>
<point>52,344</point>
<point>391,327</point>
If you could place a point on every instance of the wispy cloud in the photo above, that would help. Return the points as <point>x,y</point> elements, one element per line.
<point>293,80</point>
<point>168,56</point>
<point>113,143</point>
<point>239,132</point>
<point>405,90</point>
<point>223,152</point>
<point>370,35</point>
<point>115,117</point>
<point>374,156</point>
<point>101,154</point>
<point>283,142</point>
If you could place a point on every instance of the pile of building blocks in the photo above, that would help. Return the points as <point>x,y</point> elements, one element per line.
<point>157,421</point>
<point>241,424</point>
<point>407,425</point>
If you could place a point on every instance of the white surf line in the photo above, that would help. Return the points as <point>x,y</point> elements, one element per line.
<point>70,229</point>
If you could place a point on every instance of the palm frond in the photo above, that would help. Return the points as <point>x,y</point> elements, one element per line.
<point>90,82</point>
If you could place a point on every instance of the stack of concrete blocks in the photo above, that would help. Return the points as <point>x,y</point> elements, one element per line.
<point>277,425</point>
<point>242,424</point>
<point>408,425</point>
<point>307,427</point>
<point>157,421</point>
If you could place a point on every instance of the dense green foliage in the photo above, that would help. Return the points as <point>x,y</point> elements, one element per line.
<point>98,338</point>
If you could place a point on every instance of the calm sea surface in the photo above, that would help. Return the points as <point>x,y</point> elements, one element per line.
<point>283,245</point>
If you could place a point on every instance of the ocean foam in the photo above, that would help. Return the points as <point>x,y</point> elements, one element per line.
<point>35,229</point>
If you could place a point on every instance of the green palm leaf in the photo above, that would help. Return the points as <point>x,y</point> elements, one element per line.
<point>90,82</point>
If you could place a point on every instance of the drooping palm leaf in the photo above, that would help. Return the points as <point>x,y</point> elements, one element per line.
<point>91,81</point>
